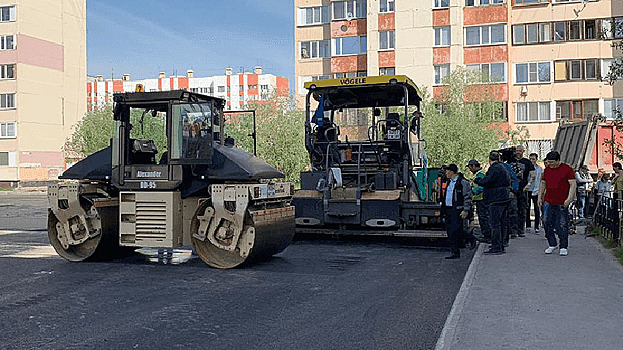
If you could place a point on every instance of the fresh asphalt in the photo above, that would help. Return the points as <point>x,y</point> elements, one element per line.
<point>320,293</point>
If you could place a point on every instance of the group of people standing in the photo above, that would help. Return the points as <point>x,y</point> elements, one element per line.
<point>503,196</point>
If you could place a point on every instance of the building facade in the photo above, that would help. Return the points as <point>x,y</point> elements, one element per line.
<point>237,89</point>
<point>42,77</point>
<point>544,59</point>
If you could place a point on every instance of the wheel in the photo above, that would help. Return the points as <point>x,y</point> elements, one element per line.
<point>264,237</point>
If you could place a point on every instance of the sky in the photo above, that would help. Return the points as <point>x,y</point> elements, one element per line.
<point>144,37</point>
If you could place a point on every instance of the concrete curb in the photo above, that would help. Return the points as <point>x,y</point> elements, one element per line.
<point>446,337</point>
<point>23,193</point>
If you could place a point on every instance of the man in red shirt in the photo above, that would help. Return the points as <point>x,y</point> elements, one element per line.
<point>555,195</point>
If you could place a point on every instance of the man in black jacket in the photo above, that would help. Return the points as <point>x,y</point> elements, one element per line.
<point>497,195</point>
<point>457,204</point>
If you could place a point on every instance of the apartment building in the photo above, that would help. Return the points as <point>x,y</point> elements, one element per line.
<point>237,89</point>
<point>42,77</point>
<point>543,58</point>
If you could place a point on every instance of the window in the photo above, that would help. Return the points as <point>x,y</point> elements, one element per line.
<point>577,70</point>
<point>7,101</point>
<point>590,29</point>
<point>612,107</point>
<point>349,45</point>
<point>545,32</point>
<point>350,75</point>
<point>441,71</point>
<point>7,13</point>
<point>7,71</point>
<point>387,6</point>
<point>590,69</point>
<point>576,110</point>
<point>575,73</point>
<point>530,1</point>
<point>533,72</point>
<point>441,3</point>
<point>490,72</point>
<point>442,36</point>
<point>7,42</point>
<point>387,71</point>
<point>519,34</point>
<point>220,89</point>
<point>252,87</point>
<point>532,33</point>
<point>560,31</point>
<point>532,111</point>
<point>349,9</point>
<point>315,49</point>
<point>7,130</point>
<point>386,40</point>
<point>313,15</point>
<point>575,30</point>
<point>485,35</point>
<point>469,3</point>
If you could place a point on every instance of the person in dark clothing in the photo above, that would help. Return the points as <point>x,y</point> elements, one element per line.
<point>525,182</point>
<point>457,204</point>
<point>481,206</point>
<point>496,184</point>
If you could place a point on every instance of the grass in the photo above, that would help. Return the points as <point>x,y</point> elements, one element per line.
<point>618,253</point>
<point>6,189</point>
<point>608,243</point>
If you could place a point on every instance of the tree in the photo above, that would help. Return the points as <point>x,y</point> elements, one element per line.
<point>280,134</point>
<point>463,121</point>
<point>95,130</point>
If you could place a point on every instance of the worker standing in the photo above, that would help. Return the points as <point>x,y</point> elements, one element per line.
<point>496,184</point>
<point>481,206</point>
<point>457,205</point>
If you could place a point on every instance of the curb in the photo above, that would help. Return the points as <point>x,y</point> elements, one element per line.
<point>446,337</point>
<point>20,193</point>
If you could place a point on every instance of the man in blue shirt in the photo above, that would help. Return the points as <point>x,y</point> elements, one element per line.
<point>457,205</point>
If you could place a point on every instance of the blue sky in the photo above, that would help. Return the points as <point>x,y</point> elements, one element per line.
<point>144,37</point>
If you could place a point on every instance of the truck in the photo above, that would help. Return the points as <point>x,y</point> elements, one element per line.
<point>368,168</point>
<point>202,191</point>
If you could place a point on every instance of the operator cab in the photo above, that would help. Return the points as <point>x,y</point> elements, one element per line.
<point>364,127</point>
<point>184,126</point>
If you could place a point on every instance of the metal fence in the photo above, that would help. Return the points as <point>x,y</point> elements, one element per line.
<point>607,216</point>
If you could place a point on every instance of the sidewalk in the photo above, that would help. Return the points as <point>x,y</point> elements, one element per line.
<point>526,299</point>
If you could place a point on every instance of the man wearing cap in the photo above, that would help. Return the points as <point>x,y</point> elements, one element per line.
<point>584,181</point>
<point>457,205</point>
<point>478,198</point>
<point>497,185</point>
<point>555,195</point>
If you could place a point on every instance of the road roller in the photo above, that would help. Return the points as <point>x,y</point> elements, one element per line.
<point>202,190</point>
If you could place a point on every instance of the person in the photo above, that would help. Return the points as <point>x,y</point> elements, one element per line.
<point>556,193</point>
<point>584,181</point>
<point>533,195</point>
<point>617,180</point>
<point>526,178</point>
<point>457,205</point>
<point>512,231</point>
<point>478,197</point>
<point>602,189</point>
<point>496,184</point>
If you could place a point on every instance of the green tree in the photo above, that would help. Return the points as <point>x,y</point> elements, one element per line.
<point>280,134</point>
<point>463,121</point>
<point>95,130</point>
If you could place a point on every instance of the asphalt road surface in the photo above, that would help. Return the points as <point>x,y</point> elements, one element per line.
<point>320,293</point>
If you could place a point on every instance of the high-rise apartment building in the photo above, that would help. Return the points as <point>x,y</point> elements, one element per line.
<point>236,88</point>
<point>543,58</point>
<point>42,77</point>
